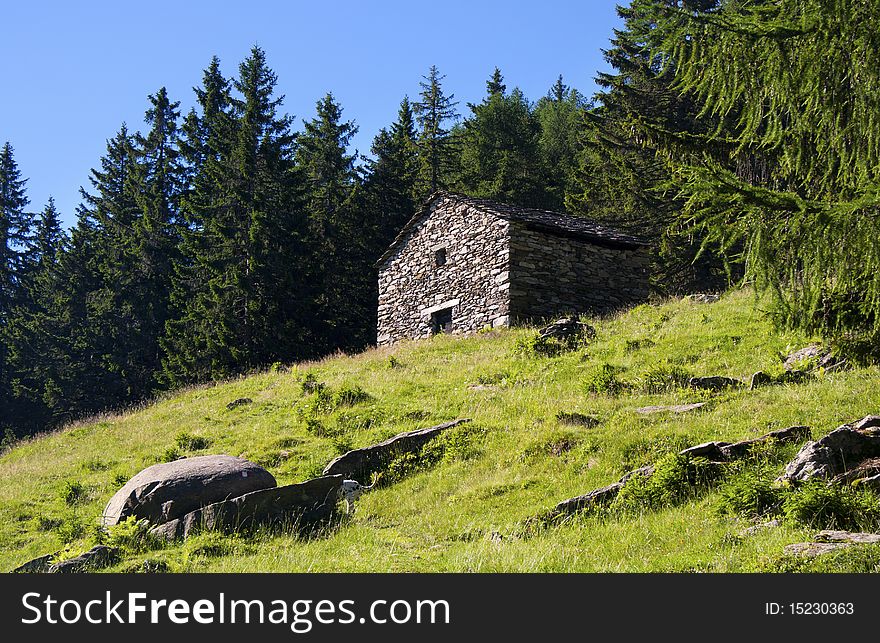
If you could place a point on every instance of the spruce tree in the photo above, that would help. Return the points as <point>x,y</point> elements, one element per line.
<point>562,115</point>
<point>339,266</point>
<point>14,237</point>
<point>14,228</point>
<point>244,308</point>
<point>499,148</point>
<point>627,146</point>
<point>436,143</point>
<point>391,184</point>
<point>31,332</point>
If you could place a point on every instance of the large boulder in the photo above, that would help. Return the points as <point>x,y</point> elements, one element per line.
<point>845,448</point>
<point>302,505</point>
<point>358,464</point>
<point>170,490</point>
<point>97,557</point>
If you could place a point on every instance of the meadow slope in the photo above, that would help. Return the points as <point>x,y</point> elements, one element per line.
<point>517,458</point>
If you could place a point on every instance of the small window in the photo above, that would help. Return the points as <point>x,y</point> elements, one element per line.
<point>440,256</point>
<point>441,321</point>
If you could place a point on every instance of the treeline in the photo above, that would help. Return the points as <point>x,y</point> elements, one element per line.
<point>224,240</point>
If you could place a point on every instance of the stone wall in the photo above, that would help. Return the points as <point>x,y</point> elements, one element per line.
<point>554,275</point>
<point>474,281</point>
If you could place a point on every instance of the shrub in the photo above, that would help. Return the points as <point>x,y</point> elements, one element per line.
<point>72,492</point>
<point>604,381</point>
<point>633,345</point>
<point>676,478</point>
<point>663,377</point>
<point>132,535</point>
<point>750,494</point>
<point>822,506</point>
<point>310,384</point>
<point>189,442</point>
<point>169,455</point>
<point>70,528</point>
<point>350,395</point>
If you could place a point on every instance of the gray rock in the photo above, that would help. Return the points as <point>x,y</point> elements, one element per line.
<point>170,490</point>
<point>675,408</point>
<point>839,451</point>
<point>704,298</point>
<point>38,565</point>
<point>242,401</point>
<point>714,383</point>
<point>789,435</point>
<point>644,472</point>
<point>96,558</point>
<point>855,537</point>
<point>751,531</point>
<point>725,451</point>
<point>595,498</point>
<point>811,550</point>
<point>301,505</point>
<point>567,330</point>
<point>759,379</point>
<point>805,354</point>
<point>359,464</point>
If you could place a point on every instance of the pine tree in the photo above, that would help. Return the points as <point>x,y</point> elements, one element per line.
<point>14,228</point>
<point>792,73</point>
<point>30,334</point>
<point>341,237</point>
<point>392,180</point>
<point>14,237</point>
<point>244,308</point>
<point>499,148</point>
<point>437,149</point>
<point>623,174</point>
<point>562,115</point>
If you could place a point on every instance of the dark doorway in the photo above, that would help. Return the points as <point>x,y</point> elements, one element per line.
<point>441,321</point>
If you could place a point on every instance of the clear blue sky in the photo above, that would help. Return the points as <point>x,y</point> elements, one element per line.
<point>72,72</point>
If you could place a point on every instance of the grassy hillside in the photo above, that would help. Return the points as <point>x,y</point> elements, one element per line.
<point>464,512</point>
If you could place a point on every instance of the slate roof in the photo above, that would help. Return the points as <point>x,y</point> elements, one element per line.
<point>540,220</point>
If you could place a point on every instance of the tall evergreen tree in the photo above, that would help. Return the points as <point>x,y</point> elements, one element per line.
<point>499,148</point>
<point>30,331</point>
<point>392,180</point>
<point>14,228</point>
<point>244,309</point>
<point>793,74</point>
<point>339,257</point>
<point>562,116</point>
<point>14,236</point>
<point>623,175</point>
<point>437,150</point>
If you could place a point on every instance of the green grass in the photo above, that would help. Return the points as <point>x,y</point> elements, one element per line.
<point>464,512</point>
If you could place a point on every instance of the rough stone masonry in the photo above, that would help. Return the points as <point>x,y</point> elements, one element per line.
<point>462,264</point>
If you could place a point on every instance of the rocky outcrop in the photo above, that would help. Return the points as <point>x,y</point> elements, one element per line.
<point>96,558</point>
<point>301,505</point>
<point>718,452</point>
<point>675,408</point>
<point>242,401</point>
<point>829,540</point>
<point>39,565</point>
<point>812,358</point>
<point>567,330</point>
<point>727,451</point>
<point>170,490</point>
<point>845,448</point>
<point>360,464</point>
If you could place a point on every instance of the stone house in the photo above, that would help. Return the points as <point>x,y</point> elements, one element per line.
<point>462,264</point>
